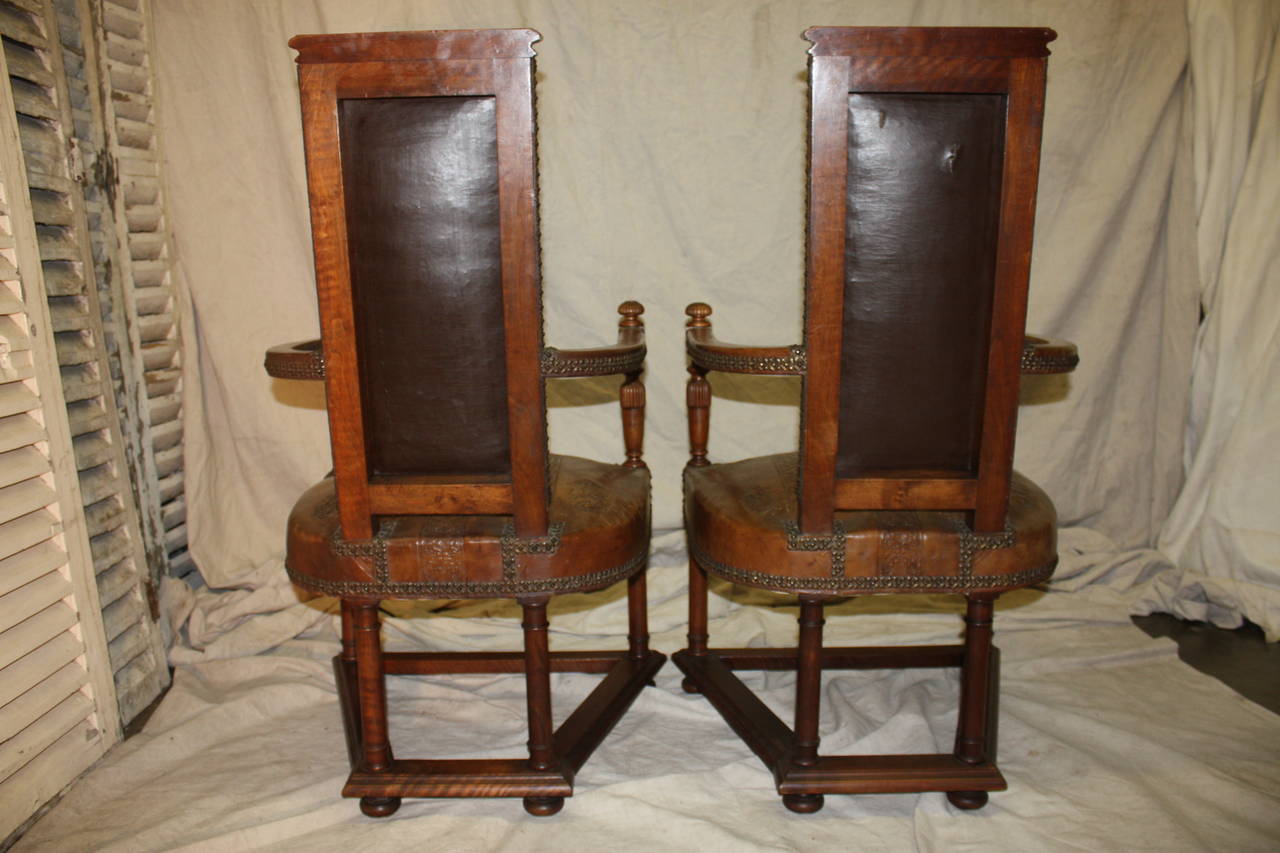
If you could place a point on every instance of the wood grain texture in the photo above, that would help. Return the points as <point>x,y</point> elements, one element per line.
<point>824,289</point>
<point>1009,309</point>
<point>930,42</point>
<point>414,46</point>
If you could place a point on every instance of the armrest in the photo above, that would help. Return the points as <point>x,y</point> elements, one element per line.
<point>709,353</point>
<point>1046,355</point>
<point>298,360</point>
<point>626,356</point>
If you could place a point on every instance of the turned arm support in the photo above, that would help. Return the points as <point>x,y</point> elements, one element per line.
<point>625,357</point>
<point>1046,355</point>
<point>298,360</point>
<point>706,353</point>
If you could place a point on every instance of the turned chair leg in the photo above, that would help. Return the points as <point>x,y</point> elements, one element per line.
<point>808,699</point>
<point>697,636</point>
<point>537,675</point>
<point>370,679</point>
<point>637,616</point>
<point>348,631</point>
<point>975,678</point>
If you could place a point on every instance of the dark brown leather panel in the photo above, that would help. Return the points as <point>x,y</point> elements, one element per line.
<point>923,215</point>
<point>599,534</point>
<point>739,517</point>
<point>420,176</point>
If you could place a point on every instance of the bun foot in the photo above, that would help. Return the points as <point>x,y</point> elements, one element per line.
<point>968,800</point>
<point>543,806</point>
<point>690,686</point>
<point>803,803</point>
<point>379,806</point>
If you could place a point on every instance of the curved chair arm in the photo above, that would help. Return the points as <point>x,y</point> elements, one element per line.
<point>1046,355</point>
<point>708,353</point>
<point>298,360</point>
<point>626,357</point>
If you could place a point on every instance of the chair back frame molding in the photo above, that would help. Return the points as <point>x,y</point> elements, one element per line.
<point>492,63</point>
<point>971,60</point>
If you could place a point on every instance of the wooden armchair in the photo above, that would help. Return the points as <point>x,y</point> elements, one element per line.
<point>924,148</point>
<point>420,166</point>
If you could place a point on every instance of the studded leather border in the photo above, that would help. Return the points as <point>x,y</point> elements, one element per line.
<point>556,363</point>
<point>472,589</point>
<point>795,363</point>
<point>883,583</point>
<point>833,543</point>
<point>1033,362</point>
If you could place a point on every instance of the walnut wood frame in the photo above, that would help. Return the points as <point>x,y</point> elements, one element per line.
<point>1010,62</point>
<point>498,64</point>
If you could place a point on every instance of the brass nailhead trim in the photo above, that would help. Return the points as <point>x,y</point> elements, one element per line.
<point>471,589</point>
<point>970,544</point>
<point>834,542</point>
<point>513,546</point>
<point>795,363</point>
<point>554,363</point>
<point>914,583</point>
<point>1031,362</point>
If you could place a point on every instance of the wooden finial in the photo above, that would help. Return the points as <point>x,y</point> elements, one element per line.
<point>630,311</point>
<point>698,313</point>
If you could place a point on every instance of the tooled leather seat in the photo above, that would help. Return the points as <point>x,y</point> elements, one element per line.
<point>742,527</point>
<point>598,535</point>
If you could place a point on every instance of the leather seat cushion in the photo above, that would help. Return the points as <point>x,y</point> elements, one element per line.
<point>740,518</point>
<point>599,534</point>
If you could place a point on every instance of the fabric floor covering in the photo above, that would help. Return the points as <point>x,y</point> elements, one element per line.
<point>1107,740</point>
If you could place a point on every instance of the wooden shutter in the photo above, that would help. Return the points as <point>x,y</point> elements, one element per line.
<point>37,65</point>
<point>57,702</point>
<point>110,62</point>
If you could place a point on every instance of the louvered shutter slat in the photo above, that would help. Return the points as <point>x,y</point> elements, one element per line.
<point>28,564</point>
<point>23,498</point>
<point>27,708</point>
<point>46,774</point>
<point>21,464</point>
<point>30,669</point>
<point>33,632</point>
<point>43,733</point>
<point>31,598</point>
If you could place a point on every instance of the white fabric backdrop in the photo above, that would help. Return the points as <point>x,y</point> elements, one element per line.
<point>1225,527</point>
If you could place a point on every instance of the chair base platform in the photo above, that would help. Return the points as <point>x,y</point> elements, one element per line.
<point>544,789</point>
<point>802,786</point>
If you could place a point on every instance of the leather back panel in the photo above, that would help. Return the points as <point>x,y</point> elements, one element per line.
<point>921,232</point>
<point>420,177</point>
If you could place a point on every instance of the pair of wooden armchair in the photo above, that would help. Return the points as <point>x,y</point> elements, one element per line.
<point>924,148</point>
